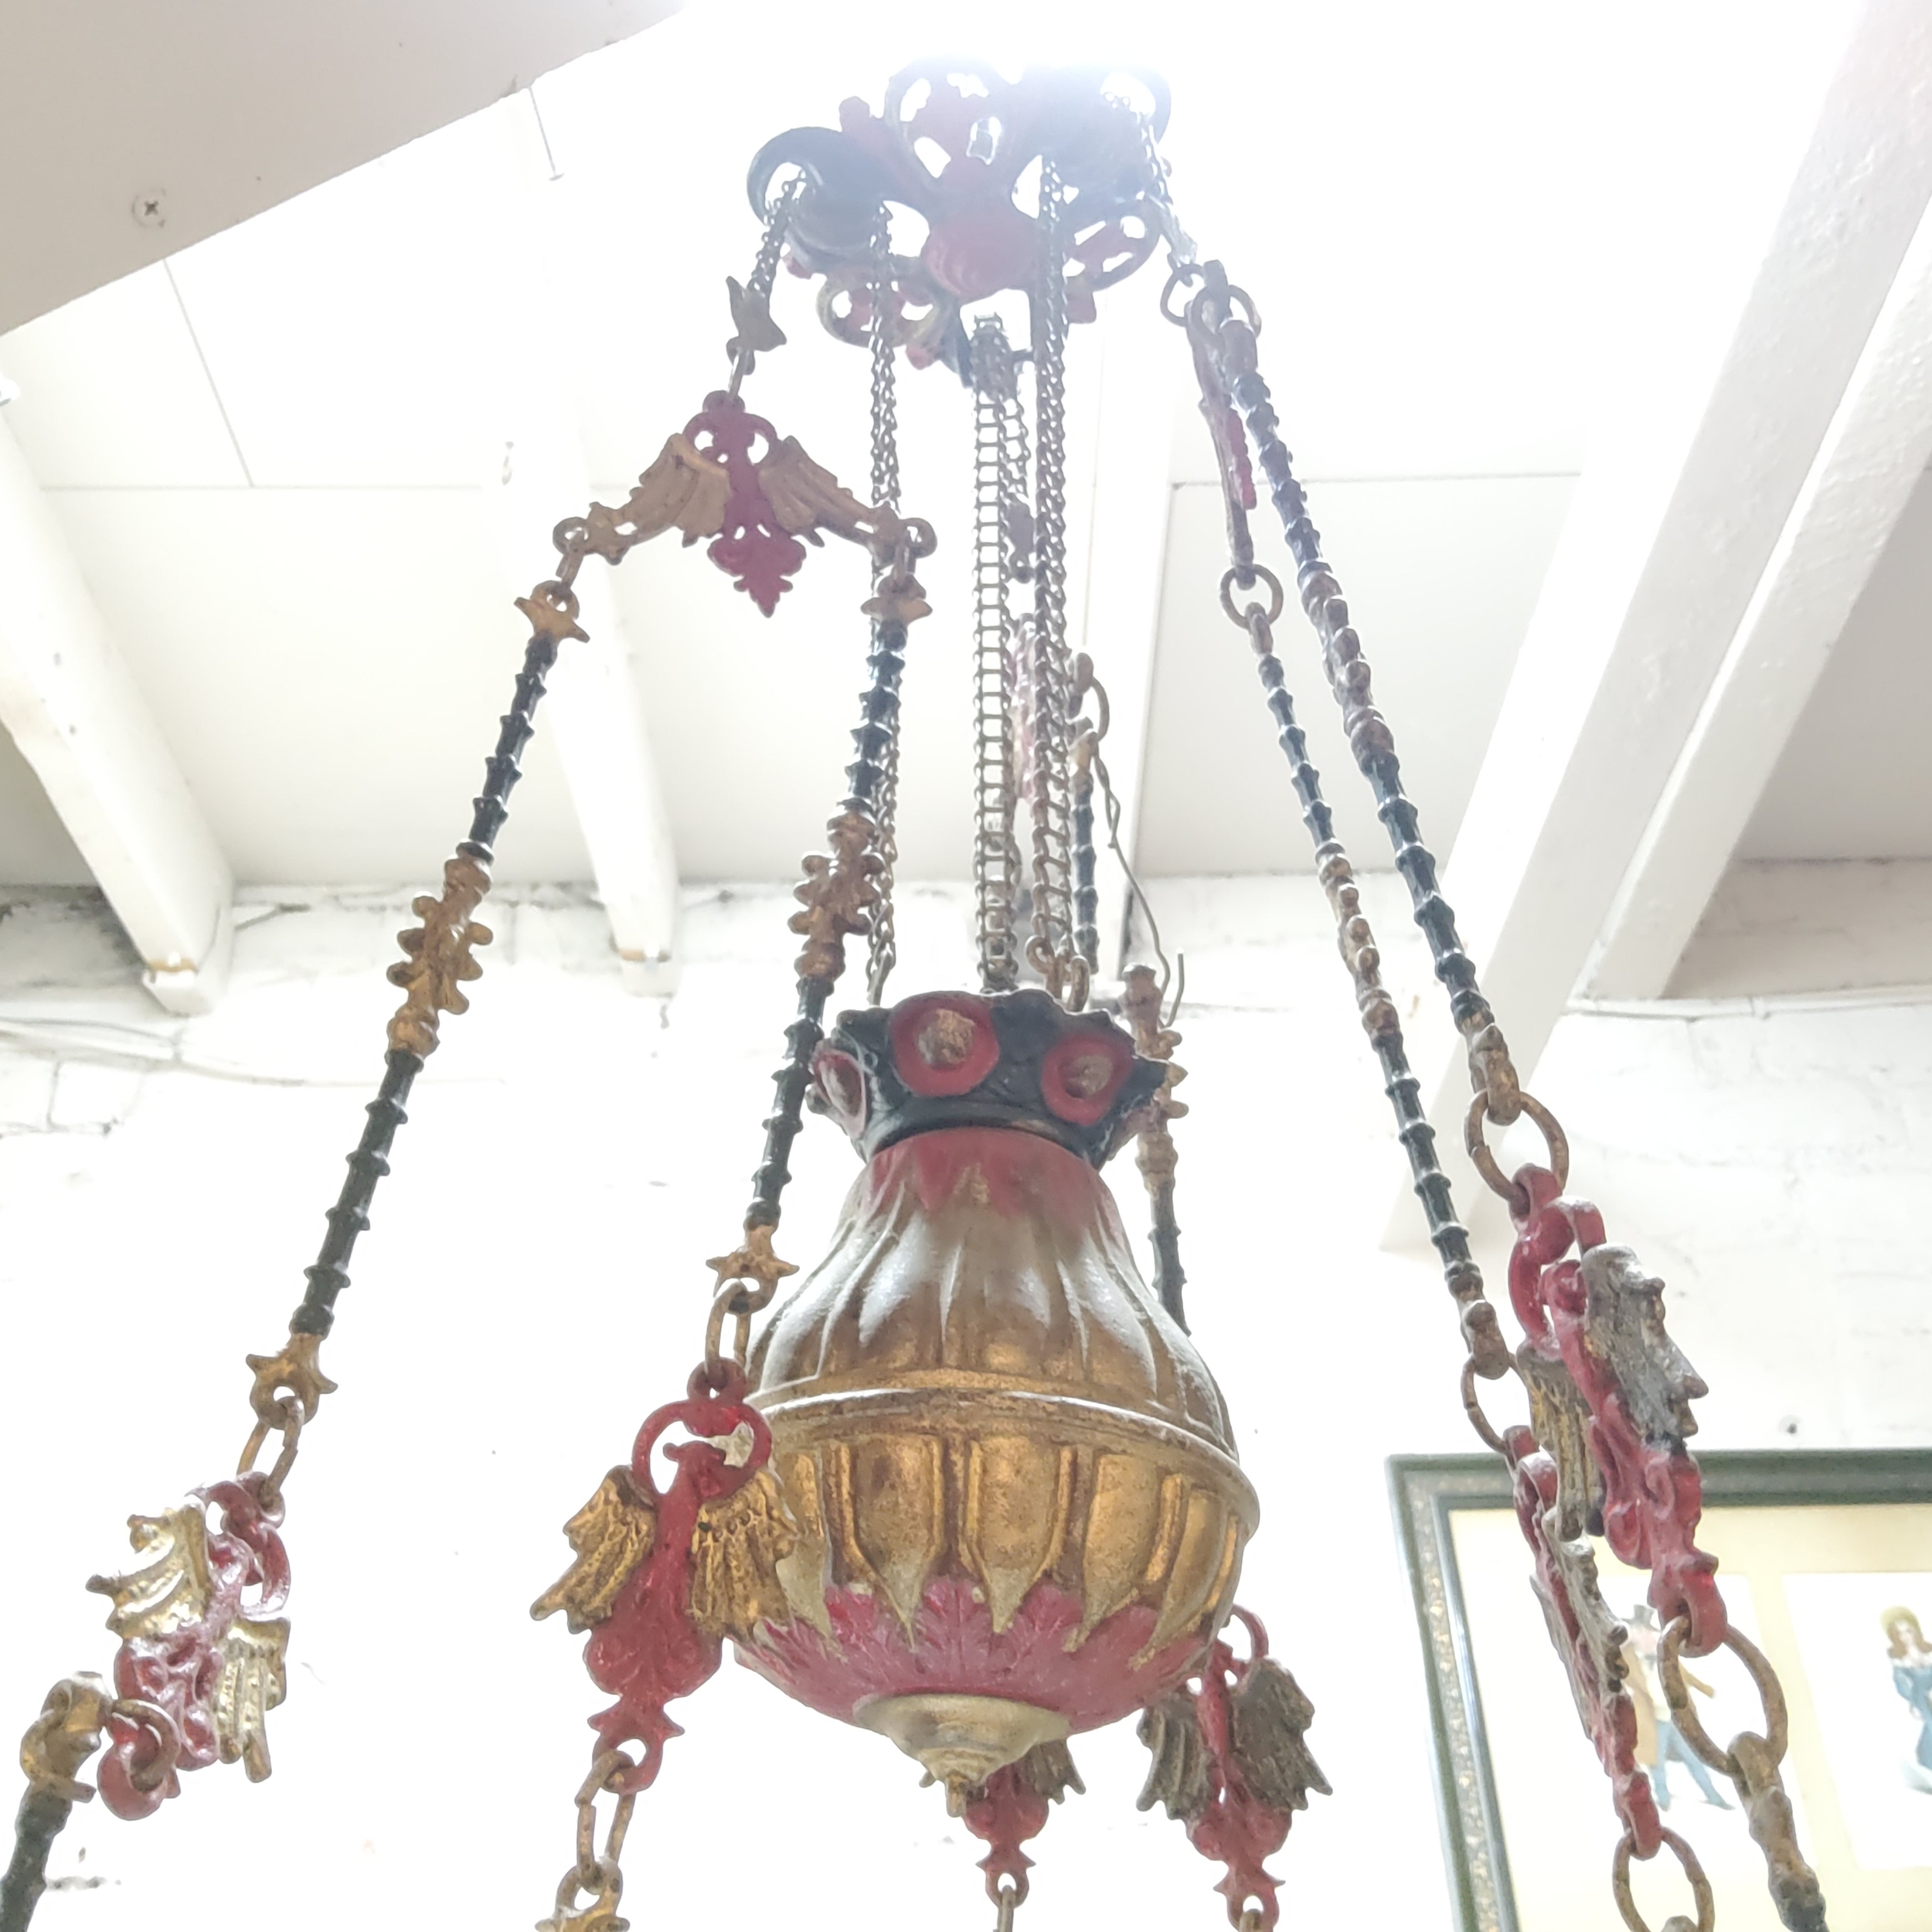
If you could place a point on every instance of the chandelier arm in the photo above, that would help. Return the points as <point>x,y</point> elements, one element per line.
<point>226,1638</point>
<point>1215,323</point>
<point>441,956</point>
<point>1380,1020</point>
<point>1609,1390</point>
<point>42,1817</point>
<point>839,894</point>
<point>1482,1333</point>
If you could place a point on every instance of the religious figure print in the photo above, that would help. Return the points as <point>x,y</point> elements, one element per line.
<point>1912,1679</point>
<point>1659,1743</point>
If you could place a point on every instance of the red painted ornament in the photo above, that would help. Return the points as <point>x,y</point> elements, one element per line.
<point>1242,1770</point>
<point>184,1659</point>
<point>953,1649</point>
<point>1586,1639</point>
<point>759,554</point>
<point>648,1651</point>
<point>1601,1317</point>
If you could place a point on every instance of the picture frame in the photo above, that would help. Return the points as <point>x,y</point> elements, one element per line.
<point>1809,1542</point>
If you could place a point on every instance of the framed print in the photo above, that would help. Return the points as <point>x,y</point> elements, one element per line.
<point>1826,1561</point>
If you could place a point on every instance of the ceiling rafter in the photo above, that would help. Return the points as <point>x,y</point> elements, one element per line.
<point>74,709</point>
<point>595,707</point>
<point>1871,460</point>
<point>1669,536</point>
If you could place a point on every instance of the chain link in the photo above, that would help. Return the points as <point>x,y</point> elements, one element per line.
<point>1181,254</point>
<point>1700,1886</point>
<point>751,306</point>
<point>1006,1902</point>
<point>996,561</point>
<point>598,1875</point>
<point>883,945</point>
<point>1051,950</point>
<point>885,402</point>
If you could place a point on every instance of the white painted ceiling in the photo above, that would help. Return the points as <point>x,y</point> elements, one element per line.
<point>128,131</point>
<point>273,452</point>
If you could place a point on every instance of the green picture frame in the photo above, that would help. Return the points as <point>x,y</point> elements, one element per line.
<point>1428,1494</point>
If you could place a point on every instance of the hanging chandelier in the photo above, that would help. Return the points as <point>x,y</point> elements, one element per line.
<point>971,1486</point>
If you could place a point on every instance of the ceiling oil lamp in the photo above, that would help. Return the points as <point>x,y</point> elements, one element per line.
<point>971,1486</point>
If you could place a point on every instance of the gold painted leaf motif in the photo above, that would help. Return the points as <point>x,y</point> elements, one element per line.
<point>254,1680</point>
<point>684,489</point>
<point>611,1534</point>
<point>1178,1778</point>
<point>805,495</point>
<point>1268,1715</point>
<point>172,1590</point>
<point>735,1554</point>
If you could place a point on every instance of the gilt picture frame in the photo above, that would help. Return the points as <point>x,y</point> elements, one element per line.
<point>1826,1564</point>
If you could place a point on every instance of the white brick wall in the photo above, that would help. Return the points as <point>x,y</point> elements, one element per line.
<point>533,1285</point>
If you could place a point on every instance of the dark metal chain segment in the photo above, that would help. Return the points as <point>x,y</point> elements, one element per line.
<point>1380,1020</point>
<point>872,739</point>
<point>41,1819</point>
<point>329,1274</point>
<point>1370,740</point>
<point>1216,314</point>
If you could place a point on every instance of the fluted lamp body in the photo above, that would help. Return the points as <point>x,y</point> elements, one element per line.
<point>1019,1508</point>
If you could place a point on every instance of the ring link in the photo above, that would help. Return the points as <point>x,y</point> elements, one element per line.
<point>150,1772</point>
<point>733,1300</point>
<point>294,1416</point>
<point>1472,1407</point>
<point>1256,573</point>
<point>1670,1671</point>
<point>1008,1901</point>
<point>1699,1885</point>
<point>1554,1139</point>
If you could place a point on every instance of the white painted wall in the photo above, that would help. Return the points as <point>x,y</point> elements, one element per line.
<point>533,1285</point>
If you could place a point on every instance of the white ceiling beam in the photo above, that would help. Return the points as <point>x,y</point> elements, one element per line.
<point>595,705</point>
<point>1674,521</point>
<point>1143,361</point>
<point>69,702</point>
<point>1878,446</point>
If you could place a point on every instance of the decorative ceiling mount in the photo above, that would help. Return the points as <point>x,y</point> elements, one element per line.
<point>953,145</point>
<point>973,1486</point>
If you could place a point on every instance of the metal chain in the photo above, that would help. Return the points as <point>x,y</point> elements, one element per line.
<point>1181,256</point>
<point>599,1875</point>
<point>1051,950</point>
<point>1482,1334</point>
<point>1222,326</point>
<point>1016,522</point>
<point>1751,1764</point>
<point>751,305</point>
<point>885,403</point>
<point>1223,323</point>
<point>882,944</point>
<point>995,872</point>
